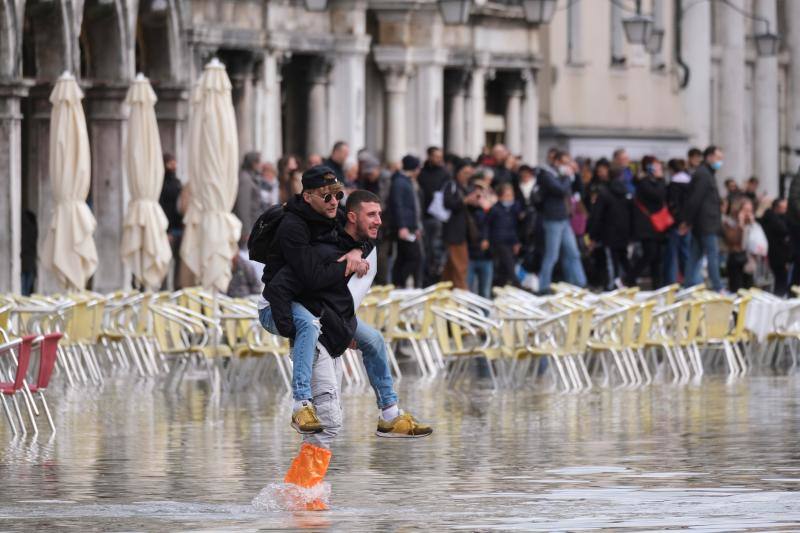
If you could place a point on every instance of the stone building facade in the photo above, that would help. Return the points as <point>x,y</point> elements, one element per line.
<point>392,77</point>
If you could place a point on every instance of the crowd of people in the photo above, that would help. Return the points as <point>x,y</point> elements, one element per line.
<point>493,220</point>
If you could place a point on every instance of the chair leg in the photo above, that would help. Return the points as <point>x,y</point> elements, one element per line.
<point>393,361</point>
<point>8,415</point>
<point>19,415</point>
<point>47,412</point>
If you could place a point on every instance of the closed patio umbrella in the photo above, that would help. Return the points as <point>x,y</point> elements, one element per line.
<point>190,244</point>
<point>68,249</point>
<point>213,181</point>
<point>145,246</point>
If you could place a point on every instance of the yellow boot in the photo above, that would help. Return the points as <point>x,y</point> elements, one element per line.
<point>308,470</point>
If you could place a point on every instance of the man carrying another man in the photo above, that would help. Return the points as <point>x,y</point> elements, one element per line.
<point>309,301</point>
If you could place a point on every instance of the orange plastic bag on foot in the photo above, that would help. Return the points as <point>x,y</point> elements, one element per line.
<point>309,467</point>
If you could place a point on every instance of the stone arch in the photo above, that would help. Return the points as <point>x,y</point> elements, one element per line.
<point>9,40</point>
<point>104,42</point>
<point>47,42</point>
<point>157,30</point>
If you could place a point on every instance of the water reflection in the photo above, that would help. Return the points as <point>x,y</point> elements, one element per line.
<point>714,457</point>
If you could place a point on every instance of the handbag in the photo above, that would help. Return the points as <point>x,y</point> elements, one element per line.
<point>755,240</point>
<point>661,220</point>
<point>437,209</point>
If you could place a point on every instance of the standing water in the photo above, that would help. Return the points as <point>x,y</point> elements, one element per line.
<point>715,457</point>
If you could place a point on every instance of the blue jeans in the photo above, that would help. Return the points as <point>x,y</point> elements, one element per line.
<point>368,339</point>
<point>479,277</point>
<point>707,245</point>
<point>559,240</point>
<point>676,255</point>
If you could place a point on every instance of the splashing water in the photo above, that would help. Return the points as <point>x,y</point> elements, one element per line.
<point>290,497</point>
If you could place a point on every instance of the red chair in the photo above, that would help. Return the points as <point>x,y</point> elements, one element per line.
<point>47,362</point>
<point>9,388</point>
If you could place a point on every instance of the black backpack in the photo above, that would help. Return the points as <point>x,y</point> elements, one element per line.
<point>263,233</point>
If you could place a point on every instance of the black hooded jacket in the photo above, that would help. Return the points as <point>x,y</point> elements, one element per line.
<point>610,218</point>
<point>302,266</point>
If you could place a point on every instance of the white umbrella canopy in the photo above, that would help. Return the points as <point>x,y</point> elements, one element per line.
<point>214,153</point>
<point>190,243</point>
<point>68,249</point>
<point>145,246</point>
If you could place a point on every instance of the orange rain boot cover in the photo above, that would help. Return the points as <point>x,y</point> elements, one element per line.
<point>308,470</point>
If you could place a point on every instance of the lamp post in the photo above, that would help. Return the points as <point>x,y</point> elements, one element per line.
<point>638,27</point>
<point>316,5</point>
<point>455,11</point>
<point>767,43</point>
<point>539,11</point>
<point>654,41</point>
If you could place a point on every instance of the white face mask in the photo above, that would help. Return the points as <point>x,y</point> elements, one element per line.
<point>565,170</point>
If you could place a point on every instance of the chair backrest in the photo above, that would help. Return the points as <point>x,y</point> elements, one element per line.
<point>717,318</point>
<point>47,361</point>
<point>23,360</point>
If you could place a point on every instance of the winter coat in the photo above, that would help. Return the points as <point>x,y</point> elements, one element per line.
<point>170,193</point>
<point>502,175</point>
<point>402,203</point>
<point>702,209</point>
<point>556,191</point>
<point>610,218</point>
<point>480,218</point>
<point>249,201</point>
<point>794,199</point>
<point>651,193</point>
<point>313,278</point>
<point>502,222</point>
<point>454,230</point>
<point>677,193</point>
<point>776,228</point>
<point>431,179</point>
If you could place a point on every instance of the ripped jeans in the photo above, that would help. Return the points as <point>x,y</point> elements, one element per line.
<point>326,386</point>
<point>368,340</point>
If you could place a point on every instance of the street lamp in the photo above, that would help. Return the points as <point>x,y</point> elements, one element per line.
<point>767,43</point>
<point>316,5</point>
<point>454,11</point>
<point>539,11</point>
<point>654,41</point>
<point>637,28</point>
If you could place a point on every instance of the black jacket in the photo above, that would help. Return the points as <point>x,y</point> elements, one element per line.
<point>677,194</point>
<point>402,203</point>
<point>333,304</point>
<point>502,175</point>
<point>702,209</point>
<point>304,243</point>
<point>170,193</point>
<point>431,179</point>
<point>556,191</point>
<point>651,193</point>
<point>610,218</point>
<point>794,199</point>
<point>454,230</point>
<point>776,229</point>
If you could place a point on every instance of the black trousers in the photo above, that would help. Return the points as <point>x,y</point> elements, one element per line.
<point>616,264</point>
<point>505,265</point>
<point>780,271</point>
<point>406,263</point>
<point>651,257</point>
<point>737,277</point>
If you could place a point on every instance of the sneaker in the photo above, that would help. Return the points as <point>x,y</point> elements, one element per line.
<point>305,420</point>
<point>403,426</point>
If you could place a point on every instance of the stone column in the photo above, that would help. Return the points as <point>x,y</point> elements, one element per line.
<point>456,126</point>
<point>40,189</point>
<point>429,84</point>
<point>766,143</point>
<point>11,185</point>
<point>476,109</point>
<point>530,118</point>
<point>793,41</point>
<point>348,81</point>
<point>696,53</point>
<point>107,137</point>
<point>396,84</point>
<point>317,140</point>
<point>172,110</point>
<point>513,89</point>
<point>731,136</point>
<point>270,119</point>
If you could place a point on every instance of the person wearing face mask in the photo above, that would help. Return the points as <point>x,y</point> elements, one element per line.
<point>559,239</point>
<point>650,197</point>
<point>505,245</point>
<point>702,216</point>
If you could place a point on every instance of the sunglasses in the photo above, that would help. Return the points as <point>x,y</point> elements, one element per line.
<point>330,196</point>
